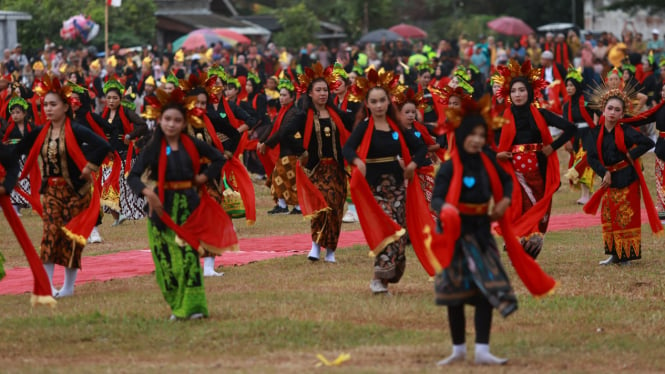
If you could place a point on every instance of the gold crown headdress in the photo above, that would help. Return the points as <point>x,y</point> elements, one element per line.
<point>387,80</point>
<point>154,104</point>
<point>601,93</point>
<point>514,70</point>
<point>317,72</point>
<point>482,107</point>
<point>51,84</point>
<point>410,96</point>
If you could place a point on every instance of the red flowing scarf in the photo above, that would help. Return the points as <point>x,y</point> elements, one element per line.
<point>38,113</point>
<point>440,153</point>
<point>201,230</point>
<point>127,127</point>
<point>591,207</point>
<point>35,173</point>
<point>644,115</point>
<point>583,111</point>
<point>111,186</point>
<point>269,159</point>
<point>524,223</point>
<point>379,229</point>
<point>420,226</point>
<point>309,197</point>
<point>79,227</point>
<point>233,168</point>
<point>562,54</point>
<point>229,113</point>
<point>345,102</point>
<point>534,278</point>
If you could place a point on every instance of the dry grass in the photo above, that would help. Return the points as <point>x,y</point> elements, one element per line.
<point>276,315</point>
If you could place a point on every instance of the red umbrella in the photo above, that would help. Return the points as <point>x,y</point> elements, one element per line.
<point>510,26</point>
<point>409,31</point>
<point>226,33</point>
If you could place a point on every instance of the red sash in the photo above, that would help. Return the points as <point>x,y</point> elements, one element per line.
<point>527,222</point>
<point>583,111</point>
<point>269,159</point>
<point>234,169</point>
<point>127,127</point>
<point>591,207</point>
<point>440,153</point>
<point>79,227</point>
<point>379,229</point>
<point>201,230</point>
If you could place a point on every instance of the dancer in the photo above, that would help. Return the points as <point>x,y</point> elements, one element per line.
<point>386,156</point>
<point>283,185</point>
<point>575,111</point>
<point>468,195</point>
<point>322,131</point>
<point>125,128</point>
<point>613,150</point>
<point>70,205</point>
<point>527,151</point>
<point>175,196</point>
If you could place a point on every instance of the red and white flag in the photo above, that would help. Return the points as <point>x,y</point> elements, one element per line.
<point>115,3</point>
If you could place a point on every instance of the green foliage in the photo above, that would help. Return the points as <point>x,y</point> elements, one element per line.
<point>452,27</point>
<point>300,26</point>
<point>131,24</point>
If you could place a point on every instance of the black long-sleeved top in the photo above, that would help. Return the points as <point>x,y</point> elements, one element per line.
<point>624,177</point>
<point>9,162</point>
<point>116,134</point>
<point>659,118</point>
<point>527,132</point>
<point>293,132</point>
<point>94,149</point>
<point>15,136</point>
<point>81,117</point>
<point>479,192</point>
<point>421,143</point>
<point>276,138</point>
<point>179,168</point>
<point>384,144</point>
<point>238,113</point>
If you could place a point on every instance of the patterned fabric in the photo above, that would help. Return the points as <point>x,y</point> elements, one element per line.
<point>61,203</point>
<point>17,199</point>
<point>330,179</point>
<point>581,172</point>
<point>622,222</point>
<point>660,186</point>
<point>177,266</point>
<point>131,206</point>
<point>427,184</point>
<point>475,271</point>
<point>110,200</point>
<point>532,186</point>
<point>283,184</point>
<point>389,265</point>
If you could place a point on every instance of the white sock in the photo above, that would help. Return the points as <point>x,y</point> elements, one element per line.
<point>70,278</point>
<point>281,203</point>
<point>484,357</point>
<point>330,256</point>
<point>351,207</point>
<point>459,354</point>
<point>49,271</point>
<point>209,267</point>
<point>315,253</point>
<point>296,206</point>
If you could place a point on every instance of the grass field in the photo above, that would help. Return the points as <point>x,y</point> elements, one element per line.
<point>275,316</point>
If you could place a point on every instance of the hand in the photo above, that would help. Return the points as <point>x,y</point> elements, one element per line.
<point>504,156</point>
<point>547,150</point>
<point>242,128</point>
<point>200,179</point>
<point>261,148</point>
<point>568,147</point>
<point>433,147</point>
<point>629,157</point>
<point>154,204</point>
<point>360,165</point>
<point>86,174</point>
<point>607,180</point>
<point>3,191</point>
<point>500,209</point>
<point>410,170</point>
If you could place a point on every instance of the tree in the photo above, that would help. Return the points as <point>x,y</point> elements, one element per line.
<point>134,23</point>
<point>300,26</point>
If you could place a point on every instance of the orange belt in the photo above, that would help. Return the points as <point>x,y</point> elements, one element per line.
<point>177,185</point>
<point>473,209</point>
<point>521,148</point>
<point>618,166</point>
<point>327,161</point>
<point>56,181</point>
<point>661,134</point>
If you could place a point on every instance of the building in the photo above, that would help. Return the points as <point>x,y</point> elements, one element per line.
<point>8,34</point>
<point>614,21</point>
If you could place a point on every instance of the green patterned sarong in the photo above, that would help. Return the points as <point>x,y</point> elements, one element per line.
<point>177,268</point>
<point>2,267</point>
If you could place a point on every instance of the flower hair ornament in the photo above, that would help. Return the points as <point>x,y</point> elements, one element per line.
<point>601,93</point>
<point>482,107</point>
<point>339,70</point>
<point>574,74</point>
<point>18,100</point>
<point>514,70</point>
<point>410,96</point>
<point>154,104</point>
<point>446,92</point>
<point>51,84</point>
<point>203,80</point>
<point>254,77</point>
<point>285,84</point>
<point>217,71</point>
<point>317,72</point>
<point>113,83</point>
<point>387,80</point>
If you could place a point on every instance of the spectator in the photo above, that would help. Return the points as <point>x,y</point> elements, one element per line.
<point>20,59</point>
<point>639,46</point>
<point>518,52</point>
<point>656,44</point>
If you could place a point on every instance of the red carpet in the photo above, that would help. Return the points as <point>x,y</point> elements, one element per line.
<point>133,263</point>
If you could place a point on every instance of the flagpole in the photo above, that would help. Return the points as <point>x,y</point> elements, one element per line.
<point>106,30</point>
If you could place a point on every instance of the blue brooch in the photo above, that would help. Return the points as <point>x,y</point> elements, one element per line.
<point>417,134</point>
<point>395,135</point>
<point>223,115</point>
<point>168,150</point>
<point>469,182</point>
